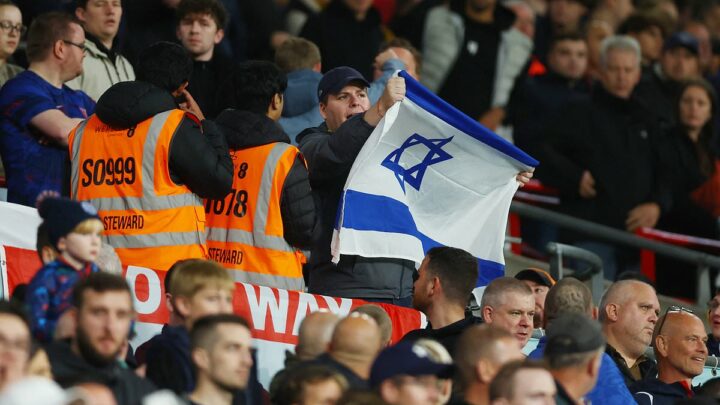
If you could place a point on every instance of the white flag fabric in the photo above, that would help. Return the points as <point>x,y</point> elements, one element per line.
<point>429,176</point>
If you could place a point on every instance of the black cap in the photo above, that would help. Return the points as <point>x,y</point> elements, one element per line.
<point>335,79</point>
<point>573,333</point>
<point>62,215</point>
<point>539,276</point>
<point>682,39</point>
<point>406,358</point>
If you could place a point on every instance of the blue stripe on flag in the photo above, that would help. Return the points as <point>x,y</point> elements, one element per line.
<point>454,117</point>
<point>402,222</point>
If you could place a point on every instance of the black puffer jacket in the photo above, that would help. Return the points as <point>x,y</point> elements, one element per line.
<point>69,369</point>
<point>244,129</point>
<point>199,156</point>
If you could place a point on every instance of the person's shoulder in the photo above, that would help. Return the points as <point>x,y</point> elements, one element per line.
<point>26,83</point>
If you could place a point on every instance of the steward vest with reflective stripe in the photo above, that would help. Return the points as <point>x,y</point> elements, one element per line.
<point>149,220</point>
<point>245,229</point>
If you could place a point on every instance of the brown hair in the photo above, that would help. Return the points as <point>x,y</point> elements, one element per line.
<point>297,53</point>
<point>45,31</point>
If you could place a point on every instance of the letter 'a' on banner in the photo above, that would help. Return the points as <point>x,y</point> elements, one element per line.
<point>429,176</point>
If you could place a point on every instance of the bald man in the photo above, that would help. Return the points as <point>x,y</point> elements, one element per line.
<point>314,337</point>
<point>629,310</point>
<point>481,351</point>
<point>381,318</point>
<point>355,343</point>
<point>680,352</point>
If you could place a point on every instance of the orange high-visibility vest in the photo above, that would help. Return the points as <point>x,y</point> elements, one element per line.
<point>245,229</point>
<point>149,220</point>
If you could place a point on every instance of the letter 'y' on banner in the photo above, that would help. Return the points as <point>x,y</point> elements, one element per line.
<point>429,176</point>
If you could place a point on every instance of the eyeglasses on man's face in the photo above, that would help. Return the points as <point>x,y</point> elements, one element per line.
<point>9,27</point>
<point>81,46</point>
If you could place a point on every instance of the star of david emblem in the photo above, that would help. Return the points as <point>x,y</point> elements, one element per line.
<point>414,175</point>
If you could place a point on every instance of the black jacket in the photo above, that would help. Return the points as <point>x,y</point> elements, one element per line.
<point>661,96</point>
<point>199,156</point>
<point>617,141</point>
<point>647,366</point>
<point>447,336</point>
<point>330,157</point>
<point>538,101</point>
<point>208,80</point>
<point>244,129</point>
<point>656,392</point>
<point>343,40</point>
<point>69,369</point>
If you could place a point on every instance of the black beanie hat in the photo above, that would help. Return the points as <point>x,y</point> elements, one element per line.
<point>62,215</point>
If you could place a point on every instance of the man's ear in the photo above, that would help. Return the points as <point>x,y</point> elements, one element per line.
<point>80,14</point>
<point>487,313</point>
<point>219,35</point>
<point>183,306</point>
<point>484,371</point>
<point>388,391</point>
<point>323,107</point>
<point>661,345</point>
<point>200,359</point>
<point>611,312</point>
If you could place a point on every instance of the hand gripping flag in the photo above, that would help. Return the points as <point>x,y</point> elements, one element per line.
<point>429,176</point>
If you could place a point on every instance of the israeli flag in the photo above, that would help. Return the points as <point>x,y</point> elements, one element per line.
<point>429,176</point>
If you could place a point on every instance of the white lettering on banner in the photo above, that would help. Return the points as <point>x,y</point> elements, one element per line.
<point>343,309</point>
<point>259,307</point>
<point>306,304</point>
<point>152,303</point>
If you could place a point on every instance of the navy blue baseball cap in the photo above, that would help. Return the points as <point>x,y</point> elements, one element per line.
<point>682,39</point>
<point>406,358</point>
<point>335,79</point>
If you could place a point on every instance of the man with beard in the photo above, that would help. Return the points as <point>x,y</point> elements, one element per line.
<point>220,350</point>
<point>103,312</point>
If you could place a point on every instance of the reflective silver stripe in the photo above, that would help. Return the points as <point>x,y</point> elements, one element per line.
<point>150,203</point>
<point>151,140</point>
<point>248,238</point>
<point>75,159</point>
<point>285,283</point>
<point>152,240</point>
<point>266,183</point>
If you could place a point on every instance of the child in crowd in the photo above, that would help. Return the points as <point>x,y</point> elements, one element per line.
<point>73,228</point>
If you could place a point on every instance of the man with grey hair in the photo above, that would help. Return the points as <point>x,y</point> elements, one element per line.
<point>629,310</point>
<point>509,304</point>
<point>601,155</point>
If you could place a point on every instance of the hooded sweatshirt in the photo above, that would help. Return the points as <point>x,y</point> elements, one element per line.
<point>656,392</point>
<point>245,129</point>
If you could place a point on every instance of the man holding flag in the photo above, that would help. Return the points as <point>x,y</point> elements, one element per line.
<point>359,196</point>
<point>330,152</point>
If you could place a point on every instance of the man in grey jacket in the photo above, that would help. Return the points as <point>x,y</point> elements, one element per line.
<point>103,65</point>
<point>472,55</point>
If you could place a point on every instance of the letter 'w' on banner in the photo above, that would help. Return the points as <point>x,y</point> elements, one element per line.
<point>429,176</point>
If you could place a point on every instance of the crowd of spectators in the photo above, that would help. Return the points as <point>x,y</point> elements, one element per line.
<point>163,133</point>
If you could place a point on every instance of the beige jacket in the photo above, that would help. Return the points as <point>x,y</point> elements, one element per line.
<point>99,72</point>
